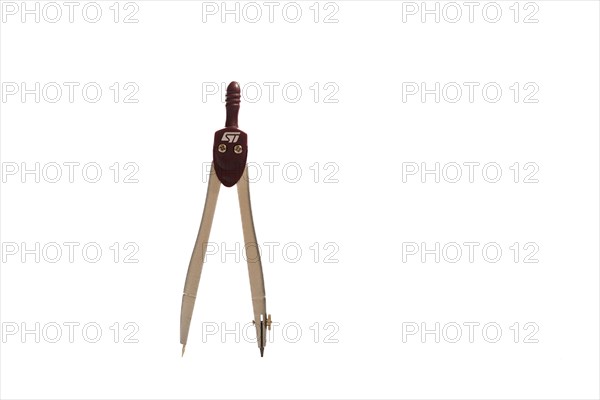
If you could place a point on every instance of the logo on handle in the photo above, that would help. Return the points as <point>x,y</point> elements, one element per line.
<point>231,137</point>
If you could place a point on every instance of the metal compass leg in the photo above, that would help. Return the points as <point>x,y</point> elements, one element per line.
<point>257,283</point>
<point>192,279</point>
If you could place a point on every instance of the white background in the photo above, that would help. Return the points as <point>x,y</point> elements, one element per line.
<point>371,296</point>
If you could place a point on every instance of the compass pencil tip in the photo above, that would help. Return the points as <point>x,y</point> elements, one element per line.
<point>262,351</point>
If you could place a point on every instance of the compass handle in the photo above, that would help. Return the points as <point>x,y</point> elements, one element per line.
<point>232,104</point>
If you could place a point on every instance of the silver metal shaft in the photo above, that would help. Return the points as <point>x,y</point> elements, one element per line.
<point>192,279</point>
<point>257,284</point>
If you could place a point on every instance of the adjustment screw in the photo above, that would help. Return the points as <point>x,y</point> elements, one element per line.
<point>222,148</point>
<point>237,149</point>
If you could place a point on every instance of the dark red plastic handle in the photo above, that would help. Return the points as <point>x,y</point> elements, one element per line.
<point>232,104</point>
<point>230,149</point>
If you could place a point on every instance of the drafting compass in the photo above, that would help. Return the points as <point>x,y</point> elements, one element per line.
<point>228,168</point>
